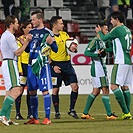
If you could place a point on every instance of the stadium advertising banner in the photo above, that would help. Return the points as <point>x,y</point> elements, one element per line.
<point>79,58</point>
<point>82,68</point>
<point>84,81</point>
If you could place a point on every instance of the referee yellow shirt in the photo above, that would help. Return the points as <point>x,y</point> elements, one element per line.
<point>62,54</point>
<point>24,57</point>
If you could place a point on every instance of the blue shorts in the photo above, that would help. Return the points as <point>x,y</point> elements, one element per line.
<point>43,83</point>
<point>67,74</point>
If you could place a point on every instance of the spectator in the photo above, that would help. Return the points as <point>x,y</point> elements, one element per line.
<point>25,10</point>
<point>109,24</point>
<point>123,6</point>
<point>9,8</point>
<point>103,5</point>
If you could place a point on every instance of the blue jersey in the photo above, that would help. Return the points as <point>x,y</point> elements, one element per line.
<point>34,47</point>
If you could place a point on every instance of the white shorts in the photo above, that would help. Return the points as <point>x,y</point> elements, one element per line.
<point>10,73</point>
<point>121,75</point>
<point>99,82</point>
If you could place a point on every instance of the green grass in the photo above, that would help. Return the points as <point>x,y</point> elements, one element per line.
<point>68,124</point>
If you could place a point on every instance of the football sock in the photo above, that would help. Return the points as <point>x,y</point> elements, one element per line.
<point>121,100</point>
<point>8,113</point>
<point>55,99</point>
<point>89,103</point>
<point>7,105</point>
<point>47,105</point>
<point>18,104</point>
<point>127,97</point>
<point>34,105</point>
<point>73,99</point>
<point>28,103</point>
<point>106,102</point>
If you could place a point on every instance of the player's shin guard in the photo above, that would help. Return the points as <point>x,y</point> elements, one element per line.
<point>73,99</point>
<point>55,99</point>
<point>47,105</point>
<point>6,109</point>
<point>89,103</point>
<point>106,102</point>
<point>18,104</point>
<point>34,106</point>
<point>127,97</point>
<point>121,100</point>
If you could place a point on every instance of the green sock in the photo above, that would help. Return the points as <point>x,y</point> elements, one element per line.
<point>6,108</point>
<point>8,113</point>
<point>106,102</point>
<point>127,97</point>
<point>89,102</point>
<point>121,100</point>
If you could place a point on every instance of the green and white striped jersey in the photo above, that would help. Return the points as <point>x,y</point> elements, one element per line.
<point>122,39</point>
<point>98,68</point>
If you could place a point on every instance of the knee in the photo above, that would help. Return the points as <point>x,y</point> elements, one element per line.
<point>45,92</point>
<point>75,87</point>
<point>55,91</point>
<point>113,87</point>
<point>32,93</point>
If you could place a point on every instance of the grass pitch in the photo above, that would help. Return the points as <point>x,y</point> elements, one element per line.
<point>67,124</point>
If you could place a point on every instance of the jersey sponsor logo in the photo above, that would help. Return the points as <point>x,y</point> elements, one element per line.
<point>36,35</point>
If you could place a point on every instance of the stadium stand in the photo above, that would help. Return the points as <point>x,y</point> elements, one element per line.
<point>2,16</point>
<point>49,12</point>
<point>65,13</point>
<point>42,3</point>
<point>57,3</point>
<point>2,27</point>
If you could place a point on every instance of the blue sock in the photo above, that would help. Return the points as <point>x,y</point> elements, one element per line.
<point>47,105</point>
<point>34,106</point>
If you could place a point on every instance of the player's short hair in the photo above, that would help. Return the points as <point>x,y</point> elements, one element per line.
<point>53,20</point>
<point>10,19</point>
<point>38,13</point>
<point>118,15</point>
<point>101,24</point>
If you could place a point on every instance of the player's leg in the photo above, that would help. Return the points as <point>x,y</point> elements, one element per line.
<point>70,78</point>
<point>55,100</point>
<point>127,96</point>
<point>18,105</point>
<point>89,102</point>
<point>127,83</point>
<point>96,90</point>
<point>73,99</point>
<point>47,107</point>
<point>32,88</point>
<point>117,79</point>
<point>29,116</point>
<point>10,71</point>
<point>45,83</point>
<point>34,107</point>
<point>57,82</point>
<point>106,102</point>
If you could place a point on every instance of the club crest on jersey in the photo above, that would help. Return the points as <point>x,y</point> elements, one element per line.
<point>41,36</point>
